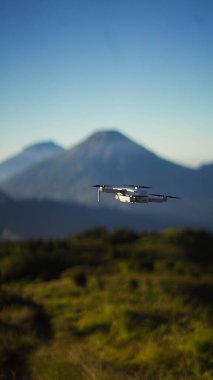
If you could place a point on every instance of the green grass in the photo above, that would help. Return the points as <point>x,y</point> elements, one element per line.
<point>106,306</point>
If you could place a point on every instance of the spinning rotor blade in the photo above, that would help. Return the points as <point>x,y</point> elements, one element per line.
<point>172,196</point>
<point>165,196</point>
<point>158,195</point>
<point>139,186</point>
<point>101,185</point>
<point>98,185</point>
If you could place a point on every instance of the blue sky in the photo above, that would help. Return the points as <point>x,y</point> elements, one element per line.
<point>144,67</point>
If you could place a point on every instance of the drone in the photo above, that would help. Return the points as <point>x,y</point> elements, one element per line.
<point>133,194</point>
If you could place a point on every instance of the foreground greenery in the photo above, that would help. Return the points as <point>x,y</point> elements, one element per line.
<point>105,306</point>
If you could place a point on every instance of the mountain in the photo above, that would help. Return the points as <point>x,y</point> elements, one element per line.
<point>28,157</point>
<point>105,157</point>
<point>207,168</point>
<point>110,157</point>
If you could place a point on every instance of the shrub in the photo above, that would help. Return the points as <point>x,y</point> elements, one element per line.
<point>80,278</point>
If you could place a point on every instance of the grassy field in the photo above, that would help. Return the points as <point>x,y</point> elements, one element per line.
<point>100,306</point>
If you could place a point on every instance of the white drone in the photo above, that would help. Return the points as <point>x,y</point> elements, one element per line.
<point>132,194</point>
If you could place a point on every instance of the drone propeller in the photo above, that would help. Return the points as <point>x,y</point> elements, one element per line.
<point>134,186</point>
<point>165,196</point>
<point>139,186</point>
<point>101,185</point>
<point>172,197</point>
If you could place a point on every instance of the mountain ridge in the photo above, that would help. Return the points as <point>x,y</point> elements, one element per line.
<point>110,157</point>
<point>104,157</point>
<point>28,157</point>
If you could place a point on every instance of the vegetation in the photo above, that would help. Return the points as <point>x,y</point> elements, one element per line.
<point>108,305</point>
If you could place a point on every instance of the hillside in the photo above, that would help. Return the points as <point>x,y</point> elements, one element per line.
<point>27,158</point>
<point>103,306</point>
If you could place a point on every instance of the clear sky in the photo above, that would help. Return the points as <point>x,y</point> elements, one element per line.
<point>144,67</point>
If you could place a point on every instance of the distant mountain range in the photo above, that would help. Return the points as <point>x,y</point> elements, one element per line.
<point>28,158</point>
<point>111,158</point>
<point>106,157</point>
<point>31,218</point>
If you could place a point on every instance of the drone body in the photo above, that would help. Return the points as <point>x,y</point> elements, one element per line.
<point>132,194</point>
